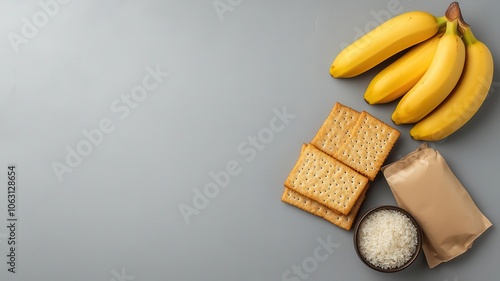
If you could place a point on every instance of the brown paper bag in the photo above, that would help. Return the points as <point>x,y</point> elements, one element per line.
<point>424,185</point>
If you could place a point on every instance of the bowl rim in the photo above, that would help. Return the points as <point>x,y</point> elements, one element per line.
<point>412,219</point>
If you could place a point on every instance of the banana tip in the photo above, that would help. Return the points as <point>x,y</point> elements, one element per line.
<point>334,73</point>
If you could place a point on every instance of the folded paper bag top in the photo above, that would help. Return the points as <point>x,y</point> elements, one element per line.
<point>424,185</point>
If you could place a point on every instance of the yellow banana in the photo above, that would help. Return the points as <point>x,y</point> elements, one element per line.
<point>400,76</point>
<point>389,38</point>
<point>437,82</point>
<point>466,98</point>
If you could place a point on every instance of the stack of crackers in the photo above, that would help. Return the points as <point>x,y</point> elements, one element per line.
<point>334,170</point>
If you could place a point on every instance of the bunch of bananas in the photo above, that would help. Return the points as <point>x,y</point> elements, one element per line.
<point>442,79</point>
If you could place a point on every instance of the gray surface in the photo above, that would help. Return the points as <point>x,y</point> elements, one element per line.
<point>116,215</point>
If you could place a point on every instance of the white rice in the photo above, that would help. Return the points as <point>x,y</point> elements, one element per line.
<point>387,239</point>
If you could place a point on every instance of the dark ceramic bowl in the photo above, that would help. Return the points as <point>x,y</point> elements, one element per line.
<point>410,260</point>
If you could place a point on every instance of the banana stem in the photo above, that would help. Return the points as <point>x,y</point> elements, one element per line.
<point>441,21</point>
<point>452,27</point>
<point>464,28</point>
<point>468,36</point>
<point>453,11</point>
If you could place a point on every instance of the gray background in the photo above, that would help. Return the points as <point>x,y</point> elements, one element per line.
<point>116,215</point>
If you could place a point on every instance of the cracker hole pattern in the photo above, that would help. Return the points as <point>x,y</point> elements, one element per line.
<point>331,184</point>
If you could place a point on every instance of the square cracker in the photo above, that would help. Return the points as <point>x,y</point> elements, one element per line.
<point>368,145</point>
<point>335,129</point>
<point>326,180</point>
<point>344,221</point>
